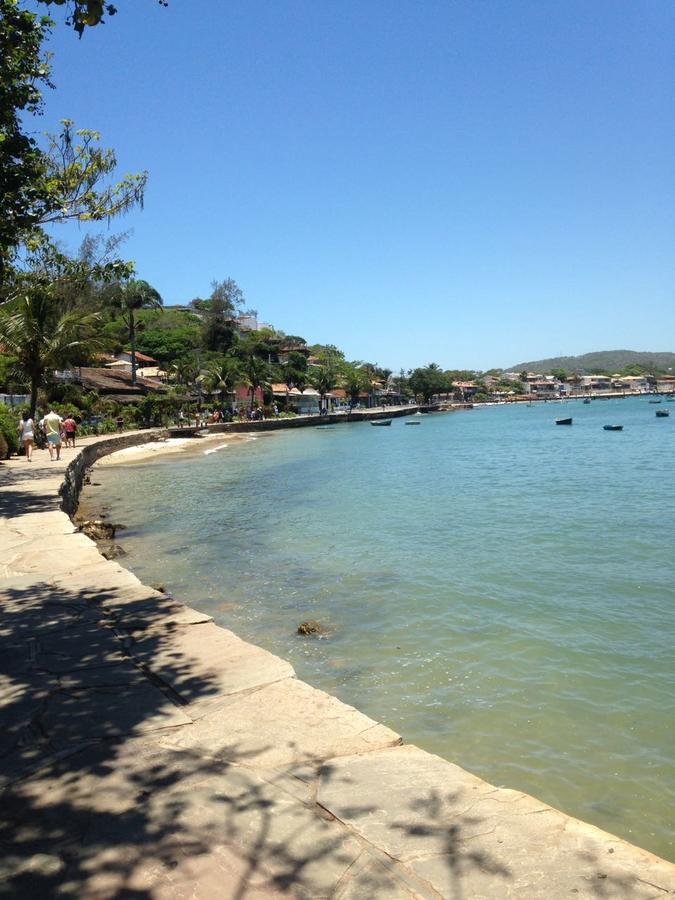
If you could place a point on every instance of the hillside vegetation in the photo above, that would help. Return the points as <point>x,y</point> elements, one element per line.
<point>601,361</point>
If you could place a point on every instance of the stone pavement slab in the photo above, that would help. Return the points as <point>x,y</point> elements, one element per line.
<point>280,725</point>
<point>126,818</point>
<point>205,663</point>
<point>467,838</point>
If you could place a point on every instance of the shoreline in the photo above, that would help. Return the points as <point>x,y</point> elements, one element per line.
<point>341,780</point>
<point>170,446</point>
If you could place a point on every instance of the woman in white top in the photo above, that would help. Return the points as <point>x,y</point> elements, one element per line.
<point>27,434</point>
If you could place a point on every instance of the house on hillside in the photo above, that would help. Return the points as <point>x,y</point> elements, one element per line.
<point>146,366</point>
<point>287,347</point>
<point>115,383</point>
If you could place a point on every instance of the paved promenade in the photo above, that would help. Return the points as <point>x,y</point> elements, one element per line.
<point>147,753</point>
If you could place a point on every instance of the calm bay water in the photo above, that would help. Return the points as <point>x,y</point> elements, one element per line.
<point>499,590</point>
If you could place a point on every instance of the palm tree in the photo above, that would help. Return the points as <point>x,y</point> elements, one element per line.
<point>324,379</point>
<point>355,381</point>
<point>255,374</point>
<point>43,337</point>
<point>221,379</point>
<point>129,297</point>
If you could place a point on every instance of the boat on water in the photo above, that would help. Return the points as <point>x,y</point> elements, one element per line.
<point>567,421</point>
<point>381,422</point>
<point>662,413</point>
<point>654,401</point>
<point>613,427</point>
<point>412,423</point>
<point>587,399</point>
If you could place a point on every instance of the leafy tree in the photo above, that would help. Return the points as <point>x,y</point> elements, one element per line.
<point>223,378</point>
<point>36,325</point>
<point>324,379</point>
<point>355,381</point>
<point>24,70</point>
<point>218,330</point>
<point>129,297</point>
<point>560,374</point>
<point>67,180</point>
<point>295,371</point>
<point>75,170</point>
<point>83,14</point>
<point>427,381</point>
<point>255,374</point>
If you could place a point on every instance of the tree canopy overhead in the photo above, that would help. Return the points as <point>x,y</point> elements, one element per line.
<point>83,14</point>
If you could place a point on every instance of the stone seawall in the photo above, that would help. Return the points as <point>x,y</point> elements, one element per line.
<point>365,415</point>
<point>76,470</point>
<point>148,752</point>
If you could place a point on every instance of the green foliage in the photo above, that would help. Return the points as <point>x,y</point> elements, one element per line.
<point>355,381</point>
<point>328,354</point>
<point>129,297</point>
<point>4,449</point>
<point>24,71</point>
<point>9,424</point>
<point>218,332</point>
<point>37,325</point>
<point>324,379</point>
<point>427,381</point>
<point>82,14</point>
<point>602,361</point>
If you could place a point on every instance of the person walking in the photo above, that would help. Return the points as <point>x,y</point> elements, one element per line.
<point>27,434</point>
<point>70,429</point>
<point>51,425</point>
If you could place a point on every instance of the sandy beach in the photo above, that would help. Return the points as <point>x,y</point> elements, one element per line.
<point>205,444</point>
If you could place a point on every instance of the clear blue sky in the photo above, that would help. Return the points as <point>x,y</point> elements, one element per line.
<point>473,183</point>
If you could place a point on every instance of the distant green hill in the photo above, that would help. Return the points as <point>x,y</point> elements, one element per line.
<point>606,360</point>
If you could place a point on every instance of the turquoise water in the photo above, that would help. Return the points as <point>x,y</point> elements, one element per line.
<point>498,589</point>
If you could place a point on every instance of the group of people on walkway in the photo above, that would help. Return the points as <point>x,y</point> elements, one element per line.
<point>57,431</point>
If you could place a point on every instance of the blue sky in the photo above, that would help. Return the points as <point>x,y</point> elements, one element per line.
<point>472,183</point>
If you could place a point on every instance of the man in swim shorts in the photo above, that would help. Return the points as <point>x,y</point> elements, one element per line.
<point>51,425</point>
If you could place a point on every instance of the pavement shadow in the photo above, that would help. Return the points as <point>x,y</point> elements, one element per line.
<point>95,801</point>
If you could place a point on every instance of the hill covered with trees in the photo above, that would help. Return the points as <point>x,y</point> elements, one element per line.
<point>602,361</point>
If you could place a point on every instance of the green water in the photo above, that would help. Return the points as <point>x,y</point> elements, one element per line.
<point>498,589</point>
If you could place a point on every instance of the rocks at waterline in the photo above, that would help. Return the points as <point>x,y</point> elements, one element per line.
<point>311,628</point>
<point>98,530</point>
<point>112,551</point>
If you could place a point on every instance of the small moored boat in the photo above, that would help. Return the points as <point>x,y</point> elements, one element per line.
<point>613,427</point>
<point>587,399</point>
<point>412,423</point>
<point>654,401</point>
<point>662,413</point>
<point>381,422</point>
<point>567,421</point>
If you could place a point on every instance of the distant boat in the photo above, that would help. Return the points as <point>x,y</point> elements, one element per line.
<point>587,399</point>
<point>662,413</point>
<point>613,427</point>
<point>563,421</point>
<point>381,422</point>
<point>654,401</point>
<point>670,399</point>
<point>409,423</point>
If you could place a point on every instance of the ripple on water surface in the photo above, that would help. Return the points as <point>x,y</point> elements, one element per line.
<point>499,590</point>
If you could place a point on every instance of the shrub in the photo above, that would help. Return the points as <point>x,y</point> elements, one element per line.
<point>4,449</point>
<point>9,424</point>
